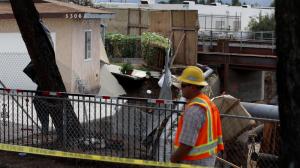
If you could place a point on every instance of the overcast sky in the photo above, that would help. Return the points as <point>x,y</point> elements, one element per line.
<point>264,3</point>
<point>261,2</point>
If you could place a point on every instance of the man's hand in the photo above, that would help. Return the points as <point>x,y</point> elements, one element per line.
<point>180,153</point>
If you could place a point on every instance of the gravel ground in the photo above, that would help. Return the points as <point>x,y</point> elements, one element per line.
<point>14,160</point>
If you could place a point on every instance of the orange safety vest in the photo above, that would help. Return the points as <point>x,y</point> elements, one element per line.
<point>209,139</point>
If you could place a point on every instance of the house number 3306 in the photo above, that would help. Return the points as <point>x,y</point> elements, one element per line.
<point>73,16</point>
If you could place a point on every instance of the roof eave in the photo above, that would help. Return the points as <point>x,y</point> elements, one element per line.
<point>67,15</point>
<point>98,15</point>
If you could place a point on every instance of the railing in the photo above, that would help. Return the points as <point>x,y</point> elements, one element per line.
<point>122,127</point>
<point>266,37</point>
<point>219,22</point>
<point>242,40</point>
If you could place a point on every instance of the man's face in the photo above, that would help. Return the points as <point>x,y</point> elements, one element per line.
<point>187,90</point>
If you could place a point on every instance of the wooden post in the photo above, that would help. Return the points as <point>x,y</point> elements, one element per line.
<point>128,23</point>
<point>287,16</point>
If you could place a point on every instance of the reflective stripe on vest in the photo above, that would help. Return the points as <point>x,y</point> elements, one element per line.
<point>219,139</point>
<point>211,144</point>
<point>209,147</point>
<point>208,141</point>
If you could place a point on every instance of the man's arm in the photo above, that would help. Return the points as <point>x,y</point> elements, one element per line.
<point>180,153</point>
<point>194,118</point>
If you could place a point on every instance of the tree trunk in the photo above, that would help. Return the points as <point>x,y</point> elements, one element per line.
<point>47,75</point>
<point>288,79</point>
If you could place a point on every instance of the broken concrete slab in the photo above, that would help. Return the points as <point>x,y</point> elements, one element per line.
<point>109,86</point>
<point>136,74</point>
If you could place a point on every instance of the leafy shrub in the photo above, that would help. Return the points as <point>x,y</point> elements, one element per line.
<point>262,23</point>
<point>153,48</point>
<point>122,46</point>
<point>150,46</point>
<point>126,68</point>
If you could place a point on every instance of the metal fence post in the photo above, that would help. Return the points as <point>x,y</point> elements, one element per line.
<point>211,36</point>
<point>64,124</point>
<point>273,44</point>
<point>241,43</point>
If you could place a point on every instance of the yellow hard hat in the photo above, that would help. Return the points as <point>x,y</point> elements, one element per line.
<point>193,75</point>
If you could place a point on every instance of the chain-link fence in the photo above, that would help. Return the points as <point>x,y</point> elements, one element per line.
<point>254,146</point>
<point>11,68</point>
<point>122,127</point>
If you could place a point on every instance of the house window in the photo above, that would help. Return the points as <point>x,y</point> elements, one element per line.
<point>220,25</point>
<point>87,44</point>
<point>236,25</point>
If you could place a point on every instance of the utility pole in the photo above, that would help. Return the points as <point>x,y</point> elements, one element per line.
<point>287,16</point>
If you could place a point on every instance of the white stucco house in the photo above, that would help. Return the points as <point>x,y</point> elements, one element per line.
<point>76,35</point>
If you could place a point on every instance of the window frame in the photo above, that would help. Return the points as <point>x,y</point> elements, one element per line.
<point>87,45</point>
<point>220,25</point>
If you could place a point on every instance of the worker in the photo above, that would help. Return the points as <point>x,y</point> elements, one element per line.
<point>198,138</point>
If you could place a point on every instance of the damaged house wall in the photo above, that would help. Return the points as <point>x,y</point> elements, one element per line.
<point>65,46</point>
<point>85,75</point>
<point>69,45</point>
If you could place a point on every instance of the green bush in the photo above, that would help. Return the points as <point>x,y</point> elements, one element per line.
<point>262,23</point>
<point>154,39</point>
<point>150,46</point>
<point>154,48</point>
<point>127,68</point>
<point>122,46</point>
